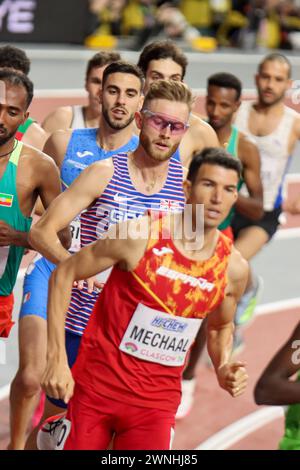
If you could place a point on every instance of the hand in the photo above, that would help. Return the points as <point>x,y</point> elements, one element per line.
<point>7,234</point>
<point>233,378</point>
<point>292,207</point>
<point>58,381</point>
<point>92,284</point>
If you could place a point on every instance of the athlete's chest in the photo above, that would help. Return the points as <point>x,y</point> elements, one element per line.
<point>187,289</point>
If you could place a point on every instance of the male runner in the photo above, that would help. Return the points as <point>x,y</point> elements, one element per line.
<point>121,188</point>
<point>25,173</point>
<point>164,60</point>
<point>78,117</point>
<point>29,132</point>
<point>128,371</point>
<point>275,128</point>
<point>274,387</point>
<point>72,151</point>
<point>222,102</point>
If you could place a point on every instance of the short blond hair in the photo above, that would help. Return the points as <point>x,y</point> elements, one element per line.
<point>170,90</point>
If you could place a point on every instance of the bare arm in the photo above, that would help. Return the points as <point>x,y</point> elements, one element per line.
<point>252,206</point>
<point>231,376</point>
<point>46,184</point>
<point>274,386</point>
<point>80,195</point>
<point>293,206</point>
<point>60,118</point>
<point>35,136</point>
<point>92,259</point>
<point>199,135</point>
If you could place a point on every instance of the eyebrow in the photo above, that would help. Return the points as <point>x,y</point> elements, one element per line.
<point>214,182</point>
<point>115,87</point>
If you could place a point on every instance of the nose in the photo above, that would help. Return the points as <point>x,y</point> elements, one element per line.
<point>121,99</point>
<point>166,130</point>
<point>217,195</point>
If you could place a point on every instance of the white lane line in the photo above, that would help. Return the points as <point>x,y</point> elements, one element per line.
<point>4,392</point>
<point>60,93</point>
<point>237,431</point>
<point>287,233</point>
<point>275,307</point>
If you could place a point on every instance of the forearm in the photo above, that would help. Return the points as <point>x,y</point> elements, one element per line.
<point>20,239</point>
<point>195,353</point>
<point>48,244</point>
<point>277,391</point>
<point>219,345</point>
<point>60,288</point>
<point>250,207</point>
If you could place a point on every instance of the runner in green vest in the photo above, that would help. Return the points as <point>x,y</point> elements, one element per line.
<point>222,101</point>
<point>29,132</point>
<point>275,388</point>
<point>25,174</point>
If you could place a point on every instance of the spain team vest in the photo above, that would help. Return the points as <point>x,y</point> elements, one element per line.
<point>10,212</point>
<point>120,201</point>
<point>232,148</point>
<point>135,346</point>
<point>23,128</point>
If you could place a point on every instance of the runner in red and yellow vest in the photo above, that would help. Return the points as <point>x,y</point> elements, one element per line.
<point>131,358</point>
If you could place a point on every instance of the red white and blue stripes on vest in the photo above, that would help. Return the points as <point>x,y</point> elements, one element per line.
<point>120,201</point>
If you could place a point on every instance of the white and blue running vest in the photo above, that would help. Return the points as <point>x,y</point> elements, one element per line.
<point>120,201</point>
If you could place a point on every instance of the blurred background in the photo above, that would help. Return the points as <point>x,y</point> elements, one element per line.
<point>128,24</point>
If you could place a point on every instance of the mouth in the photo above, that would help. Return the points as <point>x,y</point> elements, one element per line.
<point>161,145</point>
<point>118,112</point>
<point>2,132</point>
<point>213,213</point>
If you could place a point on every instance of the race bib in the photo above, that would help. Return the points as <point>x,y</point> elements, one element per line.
<point>75,232</point>
<point>4,252</point>
<point>159,337</point>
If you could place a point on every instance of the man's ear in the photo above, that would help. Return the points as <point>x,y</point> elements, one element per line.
<point>26,116</point>
<point>138,120</point>
<point>187,189</point>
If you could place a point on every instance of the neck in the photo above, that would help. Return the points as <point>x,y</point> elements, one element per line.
<point>147,164</point>
<point>275,108</point>
<point>197,241</point>
<point>224,134</point>
<point>7,148</point>
<point>92,114</point>
<point>111,139</point>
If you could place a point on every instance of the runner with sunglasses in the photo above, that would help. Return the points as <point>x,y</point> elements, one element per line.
<point>121,188</point>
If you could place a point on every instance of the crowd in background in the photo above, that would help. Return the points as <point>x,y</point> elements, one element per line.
<point>245,23</point>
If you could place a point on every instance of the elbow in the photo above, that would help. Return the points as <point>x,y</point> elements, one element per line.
<point>259,213</point>
<point>263,393</point>
<point>34,236</point>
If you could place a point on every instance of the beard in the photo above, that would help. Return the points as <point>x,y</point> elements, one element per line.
<point>155,154</point>
<point>115,124</point>
<point>7,136</point>
<point>270,102</point>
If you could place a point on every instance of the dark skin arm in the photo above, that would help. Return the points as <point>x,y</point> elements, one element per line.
<point>274,386</point>
<point>252,205</point>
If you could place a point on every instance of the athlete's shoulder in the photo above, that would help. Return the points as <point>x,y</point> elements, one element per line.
<point>100,171</point>
<point>200,128</point>
<point>60,118</point>
<point>238,267</point>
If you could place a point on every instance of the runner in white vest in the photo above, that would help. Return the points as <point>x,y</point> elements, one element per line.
<point>78,117</point>
<point>275,128</point>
